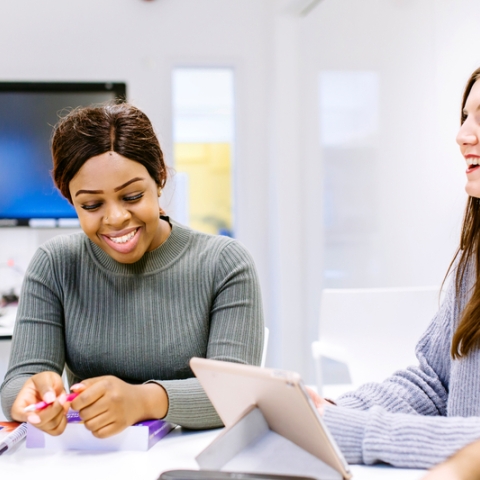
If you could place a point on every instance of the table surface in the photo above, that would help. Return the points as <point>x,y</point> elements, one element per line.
<point>176,451</point>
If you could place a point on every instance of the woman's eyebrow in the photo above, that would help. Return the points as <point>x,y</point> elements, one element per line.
<point>136,179</point>
<point>116,189</point>
<point>88,191</point>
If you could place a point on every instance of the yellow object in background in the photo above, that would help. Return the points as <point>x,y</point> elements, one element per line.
<point>209,170</point>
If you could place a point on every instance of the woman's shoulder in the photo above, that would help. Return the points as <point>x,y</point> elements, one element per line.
<point>58,255</point>
<point>207,243</point>
<point>217,253</point>
<point>64,246</point>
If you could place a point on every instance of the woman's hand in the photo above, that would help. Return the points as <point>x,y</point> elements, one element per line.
<point>46,386</point>
<point>319,401</point>
<point>108,405</point>
<point>445,472</point>
<point>464,465</point>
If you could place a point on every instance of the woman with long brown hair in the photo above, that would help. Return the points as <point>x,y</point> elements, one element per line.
<point>125,304</point>
<point>420,416</point>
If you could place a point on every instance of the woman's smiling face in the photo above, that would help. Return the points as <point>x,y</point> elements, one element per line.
<point>468,139</point>
<point>117,204</point>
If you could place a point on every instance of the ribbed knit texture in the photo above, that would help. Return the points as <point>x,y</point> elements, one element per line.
<point>195,295</point>
<point>420,416</point>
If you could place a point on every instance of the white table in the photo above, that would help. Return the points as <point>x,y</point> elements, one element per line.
<point>176,451</point>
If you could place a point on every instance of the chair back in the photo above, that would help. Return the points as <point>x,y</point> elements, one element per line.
<point>375,329</point>
<point>265,346</point>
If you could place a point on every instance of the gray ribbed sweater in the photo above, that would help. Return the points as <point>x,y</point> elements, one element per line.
<point>418,416</point>
<point>195,295</point>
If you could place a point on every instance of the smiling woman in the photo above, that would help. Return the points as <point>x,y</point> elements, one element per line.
<point>122,218</point>
<point>125,304</point>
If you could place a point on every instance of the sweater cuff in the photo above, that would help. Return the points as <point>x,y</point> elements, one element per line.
<point>188,405</point>
<point>348,429</point>
<point>10,391</point>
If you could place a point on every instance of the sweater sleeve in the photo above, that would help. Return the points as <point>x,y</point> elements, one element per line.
<point>402,440</point>
<point>236,335</point>
<point>403,420</point>
<point>38,340</point>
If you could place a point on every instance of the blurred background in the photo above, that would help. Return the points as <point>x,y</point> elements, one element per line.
<point>319,133</point>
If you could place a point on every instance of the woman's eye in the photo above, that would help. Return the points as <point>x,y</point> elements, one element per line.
<point>133,198</point>
<point>91,207</point>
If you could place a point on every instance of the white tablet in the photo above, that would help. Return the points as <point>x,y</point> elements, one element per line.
<point>282,398</point>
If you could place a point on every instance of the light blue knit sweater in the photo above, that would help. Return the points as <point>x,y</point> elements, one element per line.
<point>418,416</point>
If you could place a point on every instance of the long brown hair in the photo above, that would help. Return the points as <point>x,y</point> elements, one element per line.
<point>90,131</point>
<point>467,335</point>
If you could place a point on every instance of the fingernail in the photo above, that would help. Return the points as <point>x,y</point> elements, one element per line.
<point>77,386</point>
<point>49,397</point>
<point>33,418</point>
<point>62,399</point>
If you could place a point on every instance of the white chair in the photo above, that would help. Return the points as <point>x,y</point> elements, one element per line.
<point>373,331</point>
<point>265,347</point>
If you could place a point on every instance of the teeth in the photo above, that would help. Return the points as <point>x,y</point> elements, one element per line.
<point>125,238</point>
<point>475,161</point>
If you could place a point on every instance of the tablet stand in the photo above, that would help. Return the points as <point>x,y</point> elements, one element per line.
<point>250,446</point>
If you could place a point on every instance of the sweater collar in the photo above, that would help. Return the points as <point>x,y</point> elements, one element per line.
<point>162,257</point>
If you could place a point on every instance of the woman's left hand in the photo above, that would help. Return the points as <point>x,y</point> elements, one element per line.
<point>108,405</point>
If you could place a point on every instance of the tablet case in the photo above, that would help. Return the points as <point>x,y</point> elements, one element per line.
<point>271,423</point>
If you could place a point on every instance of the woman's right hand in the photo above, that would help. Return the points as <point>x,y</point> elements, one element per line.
<point>46,386</point>
<point>318,400</point>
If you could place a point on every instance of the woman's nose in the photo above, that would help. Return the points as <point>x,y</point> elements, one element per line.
<point>116,215</point>
<point>467,135</point>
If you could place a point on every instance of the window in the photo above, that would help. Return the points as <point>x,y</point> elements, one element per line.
<point>203,134</point>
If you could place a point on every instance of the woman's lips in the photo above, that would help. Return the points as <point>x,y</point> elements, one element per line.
<point>125,243</point>
<point>472,168</point>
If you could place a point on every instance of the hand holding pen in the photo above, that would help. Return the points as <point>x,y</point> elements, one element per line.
<point>41,405</point>
<point>47,387</point>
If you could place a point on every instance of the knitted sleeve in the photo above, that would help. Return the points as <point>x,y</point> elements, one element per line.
<point>236,335</point>
<point>400,439</point>
<point>402,421</point>
<point>39,334</point>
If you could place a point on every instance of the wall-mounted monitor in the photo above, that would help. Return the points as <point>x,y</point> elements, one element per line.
<point>28,111</point>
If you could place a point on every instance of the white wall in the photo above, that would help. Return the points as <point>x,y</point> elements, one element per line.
<point>140,43</point>
<point>423,51</point>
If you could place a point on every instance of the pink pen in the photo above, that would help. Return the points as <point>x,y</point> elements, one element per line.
<point>41,405</point>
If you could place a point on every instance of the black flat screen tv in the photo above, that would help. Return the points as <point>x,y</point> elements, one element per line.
<point>28,111</point>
